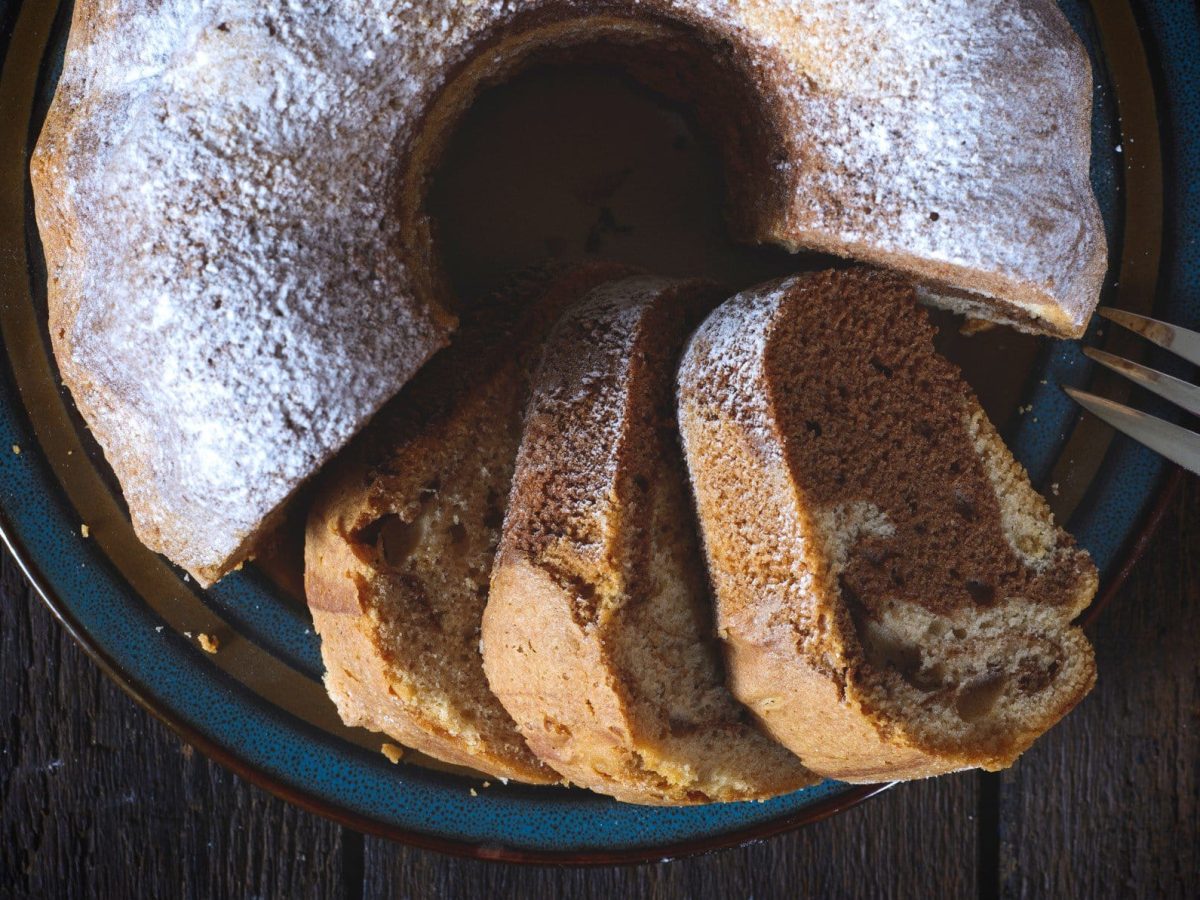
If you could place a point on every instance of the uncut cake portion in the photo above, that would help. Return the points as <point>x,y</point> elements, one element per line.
<point>404,527</point>
<point>598,631</point>
<point>242,266</point>
<point>895,599</point>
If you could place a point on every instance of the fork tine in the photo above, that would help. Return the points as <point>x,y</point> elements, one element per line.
<point>1170,388</point>
<point>1175,443</point>
<point>1178,340</point>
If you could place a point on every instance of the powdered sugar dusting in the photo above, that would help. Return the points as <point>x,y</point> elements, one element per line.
<point>725,424</point>
<point>578,411</point>
<point>728,351</point>
<point>217,182</point>
<point>237,302</point>
<point>954,134</point>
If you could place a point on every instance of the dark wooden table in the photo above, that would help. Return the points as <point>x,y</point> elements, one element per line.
<point>99,799</point>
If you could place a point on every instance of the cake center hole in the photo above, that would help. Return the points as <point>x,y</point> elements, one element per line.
<point>582,162</point>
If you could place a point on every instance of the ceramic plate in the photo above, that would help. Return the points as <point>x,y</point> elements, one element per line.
<point>257,705</point>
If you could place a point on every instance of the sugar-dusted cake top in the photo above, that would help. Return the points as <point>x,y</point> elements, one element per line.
<point>239,268</point>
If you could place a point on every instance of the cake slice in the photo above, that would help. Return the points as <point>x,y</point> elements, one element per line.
<point>402,534</point>
<point>598,631</point>
<point>894,598</point>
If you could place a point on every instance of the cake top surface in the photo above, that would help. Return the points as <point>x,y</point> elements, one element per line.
<point>231,291</point>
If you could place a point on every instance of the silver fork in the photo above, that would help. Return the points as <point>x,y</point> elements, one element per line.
<point>1172,441</point>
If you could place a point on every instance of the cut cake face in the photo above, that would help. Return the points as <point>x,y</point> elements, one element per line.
<point>598,631</point>
<point>404,528</point>
<point>895,598</point>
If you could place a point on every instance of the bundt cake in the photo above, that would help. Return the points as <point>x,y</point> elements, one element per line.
<point>230,197</point>
<point>598,634</point>
<point>405,524</point>
<point>894,598</point>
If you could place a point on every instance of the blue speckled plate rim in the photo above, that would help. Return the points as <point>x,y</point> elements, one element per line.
<point>1181,271</point>
<point>1171,32</point>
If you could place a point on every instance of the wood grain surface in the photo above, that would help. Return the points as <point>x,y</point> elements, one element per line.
<point>98,799</point>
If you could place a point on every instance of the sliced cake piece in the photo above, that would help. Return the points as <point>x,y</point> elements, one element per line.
<point>402,534</point>
<point>894,597</point>
<point>598,633</point>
